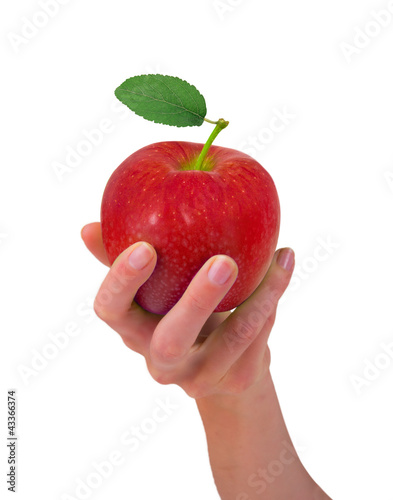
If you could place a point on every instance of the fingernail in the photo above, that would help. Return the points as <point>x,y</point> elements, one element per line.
<point>140,256</point>
<point>286,259</point>
<point>220,271</point>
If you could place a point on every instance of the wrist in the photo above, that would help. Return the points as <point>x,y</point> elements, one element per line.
<point>259,395</point>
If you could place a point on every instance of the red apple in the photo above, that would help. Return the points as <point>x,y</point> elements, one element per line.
<point>230,207</point>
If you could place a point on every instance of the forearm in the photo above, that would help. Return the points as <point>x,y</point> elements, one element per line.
<point>250,451</point>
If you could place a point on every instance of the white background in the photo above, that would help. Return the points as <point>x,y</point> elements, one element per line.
<point>333,167</point>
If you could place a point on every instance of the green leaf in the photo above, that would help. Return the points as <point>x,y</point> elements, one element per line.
<point>163,99</point>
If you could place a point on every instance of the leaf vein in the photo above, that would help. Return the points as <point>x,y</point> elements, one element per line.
<point>162,81</point>
<point>162,100</point>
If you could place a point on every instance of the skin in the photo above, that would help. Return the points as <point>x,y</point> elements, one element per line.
<point>222,361</point>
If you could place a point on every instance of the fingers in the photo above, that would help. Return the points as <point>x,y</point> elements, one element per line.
<point>211,324</point>
<point>255,316</point>
<point>179,329</point>
<point>252,365</point>
<point>92,237</point>
<point>114,301</point>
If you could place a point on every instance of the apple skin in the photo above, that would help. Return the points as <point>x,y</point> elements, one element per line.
<point>190,215</point>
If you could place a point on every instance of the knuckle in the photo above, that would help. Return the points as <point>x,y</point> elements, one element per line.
<point>195,304</point>
<point>270,321</point>
<point>240,333</point>
<point>266,306</point>
<point>166,354</point>
<point>131,344</point>
<point>103,312</point>
<point>162,378</point>
<point>272,295</point>
<point>197,389</point>
<point>195,392</point>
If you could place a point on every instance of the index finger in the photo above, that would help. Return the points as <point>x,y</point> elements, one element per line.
<point>114,302</point>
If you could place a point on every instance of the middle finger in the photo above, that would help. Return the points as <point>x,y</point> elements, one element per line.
<point>179,328</point>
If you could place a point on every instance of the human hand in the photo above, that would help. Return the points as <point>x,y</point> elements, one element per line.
<point>203,352</point>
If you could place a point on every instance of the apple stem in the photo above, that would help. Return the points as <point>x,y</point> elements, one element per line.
<point>220,125</point>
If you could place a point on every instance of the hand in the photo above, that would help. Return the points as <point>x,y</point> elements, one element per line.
<point>203,352</point>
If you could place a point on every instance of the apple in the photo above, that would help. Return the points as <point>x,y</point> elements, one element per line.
<point>230,207</point>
